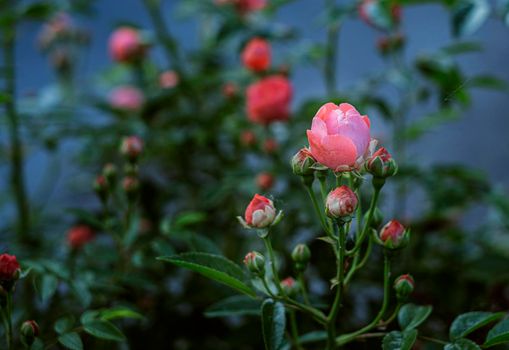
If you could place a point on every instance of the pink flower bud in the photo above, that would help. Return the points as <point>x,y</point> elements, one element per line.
<point>131,147</point>
<point>255,263</point>
<point>131,185</point>
<point>168,79</point>
<point>260,212</point>
<point>256,56</point>
<point>341,202</point>
<point>381,164</point>
<point>9,268</point>
<point>230,90</point>
<point>248,138</point>
<point>404,286</point>
<point>394,235</point>
<point>339,137</point>
<point>79,235</point>
<point>126,45</point>
<point>126,98</point>
<point>289,286</point>
<point>302,162</point>
<point>264,181</point>
<point>268,100</point>
<point>28,332</point>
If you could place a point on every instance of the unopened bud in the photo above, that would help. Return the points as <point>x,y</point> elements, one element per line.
<point>289,286</point>
<point>28,332</point>
<point>302,162</point>
<point>110,173</point>
<point>260,213</point>
<point>301,255</point>
<point>341,203</point>
<point>255,263</point>
<point>404,286</point>
<point>131,186</point>
<point>270,146</point>
<point>394,235</point>
<point>101,188</point>
<point>131,147</point>
<point>381,164</point>
<point>264,181</point>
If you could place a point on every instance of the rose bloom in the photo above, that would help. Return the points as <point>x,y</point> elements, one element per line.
<point>256,56</point>
<point>168,79</point>
<point>127,98</point>
<point>126,45</point>
<point>9,267</point>
<point>79,235</point>
<point>268,100</point>
<point>340,137</point>
<point>260,212</point>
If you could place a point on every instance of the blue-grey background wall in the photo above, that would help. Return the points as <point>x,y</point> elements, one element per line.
<point>479,139</point>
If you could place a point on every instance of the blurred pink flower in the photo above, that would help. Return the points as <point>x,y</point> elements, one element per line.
<point>339,137</point>
<point>256,55</point>
<point>79,235</point>
<point>126,45</point>
<point>127,98</point>
<point>168,79</point>
<point>268,99</point>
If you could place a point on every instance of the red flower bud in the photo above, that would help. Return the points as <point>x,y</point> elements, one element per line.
<point>230,90</point>
<point>244,7</point>
<point>394,235</point>
<point>270,146</point>
<point>341,202</point>
<point>381,164</point>
<point>168,79</point>
<point>28,332</point>
<point>289,286</point>
<point>264,181</point>
<point>248,138</point>
<point>256,56</point>
<point>268,100</point>
<point>255,263</point>
<point>9,268</point>
<point>79,235</point>
<point>260,212</point>
<point>302,162</point>
<point>126,45</point>
<point>131,147</point>
<point>404,286</point>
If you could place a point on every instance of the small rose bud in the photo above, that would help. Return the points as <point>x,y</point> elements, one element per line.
<point>29,331</point>
<point>302,162</point>
<point>300,256</point>
<point>168,79</point>
<point>404,286</point>
<point>131,147</point>
<point>256,56</point>
<point>230,90</point>
<point>79,235</point>
<point>131,186</point>
<point>127,45</point>
<point>248,138</point>
<point>394,235</point>
<point>101,188</point>
<point>9,272</point>
<point>270,146</point>
<point>255,263</point>
<point>260,213</point>
<point>289,286</point>
<point>341,203</point>
<point>376,219</point>
<point>126,99</point>
<point>110,173</point>
<point>264,181</point>
<point>381,164</point>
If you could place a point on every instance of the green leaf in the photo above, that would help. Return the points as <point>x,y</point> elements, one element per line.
<point>498,334</point>
<point>234,306</point>
<point>273,324</point>
<point>462,344</point>
<point>461,48</point>
<point>46,285</point>
<point>411,316</point>
<point>468,16</point>
<point>215,267</point>
<point>313,337</point>
<point>37,345</point>
<point>38,10</point>
<point>81,291</point>
<point>396,340</point>
<point>89,316</point>
<point>71,341</point>
<point>119,312</point>
<point>467,323</point>
<point>488,82</point>
<point>104,330</point>
<point>64,324</point>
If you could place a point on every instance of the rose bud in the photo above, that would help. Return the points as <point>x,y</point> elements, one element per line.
<point>101,188</point>
<point>131,147</point>
<point>168,79</point>
<point>79,235</point>
<point>131,186</point>
<point>300,256</point>
<point>110,173</point>
<point>270,146</point>
<point>381,164</point>
<point>28,332</point>
<point>289,286</point>
<point>394,235</point>
<point>255,263</point>
<point>341,203</point>
<point>248,138</point>
<point>256,55</point>
<point>268,100</point>
<point>126,45</point>
<point>9,272</point>
<point>340,137</point>
<point>230,90</point>
<point>245,7</point>
<point>260,213</point>
<point>264,181</point>
<point>127,99</point>
<point>302,162</point>
<point>404,286</point>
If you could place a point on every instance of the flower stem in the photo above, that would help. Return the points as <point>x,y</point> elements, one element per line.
<point>272,261</point>
<point>318,211</point>
<point>303,289</point>
<point>365,229</point>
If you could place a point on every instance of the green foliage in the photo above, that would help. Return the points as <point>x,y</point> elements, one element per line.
<point>465,324</point>
<point>396,340</point>
<point>411,316</point>
<point>273,324</point>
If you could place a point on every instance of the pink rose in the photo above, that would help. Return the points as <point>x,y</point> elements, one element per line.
<point>126,45</point>
<point>268,100</point>
<point>339,137</point>
<point>127,98</point>
<point>260,212</point>
<point>256,56</point>
<point>79,235</point>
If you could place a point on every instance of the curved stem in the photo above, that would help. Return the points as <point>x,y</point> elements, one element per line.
<point>356,266</point>
<point>391,317</point>
<point>341,340</point>
<point>318,211</point>
<point>366,227</point>
<point>303,289</point>
<point>267,288</point>
<point>272,261</point>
